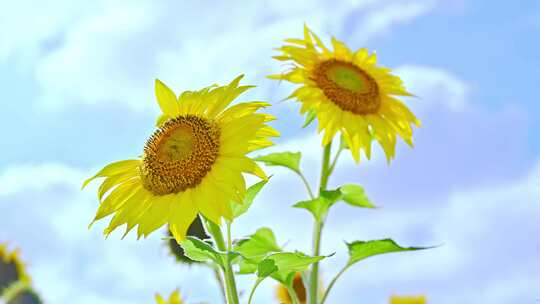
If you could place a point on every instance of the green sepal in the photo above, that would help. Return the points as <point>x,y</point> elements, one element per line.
<point>343,143</point>
<point>310,116</point>
<point>283,159</point>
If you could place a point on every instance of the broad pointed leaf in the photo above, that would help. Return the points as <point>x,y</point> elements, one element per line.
<point>201,251</point>
<point>356,196</point>
<point>318,207</point>
<point>284,159</point>
<point>360,250</point>
<point>258,244</point>
<point>289,263</point>
<point>266,268</point>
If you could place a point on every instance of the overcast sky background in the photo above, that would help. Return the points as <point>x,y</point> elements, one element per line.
<point>77,93</point>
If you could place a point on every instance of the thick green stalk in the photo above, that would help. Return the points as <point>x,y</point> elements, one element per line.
<point>228,274</point>
<point>317,231</point>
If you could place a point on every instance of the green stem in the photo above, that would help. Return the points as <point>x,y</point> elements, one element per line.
<point>228,274</point>
<point>229,239</point>
<point>317,231</point>
<point>325,172</point>
<point>219,279</point>
<point>293,295</point>
<point>306,184</point>
<point>334,162</point>
<point>253,290</point>
<point>334,282</point>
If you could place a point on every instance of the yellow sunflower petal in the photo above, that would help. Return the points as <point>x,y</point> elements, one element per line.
<point>156,216</point>
<point>183,212</point>
<point>116,199</point>
<point>166,99</point>
<point>115,180</point>
<point>130,211</point>
<point>193,163</point>
<point>345,89</point>
<point>114,168</point>
<point>341,51</point>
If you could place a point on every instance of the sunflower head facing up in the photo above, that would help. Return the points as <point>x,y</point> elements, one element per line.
<point>12,269</point>
<point>408,300</point>
<point>193,163</point>
<point>349,94</point>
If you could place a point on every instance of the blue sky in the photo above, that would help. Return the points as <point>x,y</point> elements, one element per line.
<point>77,84</point>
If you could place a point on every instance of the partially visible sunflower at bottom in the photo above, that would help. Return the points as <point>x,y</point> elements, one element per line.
<point>12,269</point>
<point>408,300</point>
<point>193,163</point>
<point>15,283</point>
<point>282,293</point>
<point>348,93</point>
<point>174,298</point>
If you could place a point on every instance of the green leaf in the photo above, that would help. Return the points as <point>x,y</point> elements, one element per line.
<point>257,245</point>
<point>266,268</point>
<point>319,207</point>
<point>289,263</point>
<point>310,116</point>
<point>284,159</point>
<point>201,251</point>
<point>360,250</point>
<point>247,266</point>
<point>356,196</point>
<point>239,209</point>
<point>254,248</point>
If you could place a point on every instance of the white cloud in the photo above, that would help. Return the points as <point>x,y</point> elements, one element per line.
<point>388,15</point>
<point>113,54</point>
<point>27,26</point>
<point>45,214</point>
<point>434,86</point>
<point>36,177</point>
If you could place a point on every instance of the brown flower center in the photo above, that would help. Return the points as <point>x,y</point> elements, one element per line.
<point>348,86</point>
<point>179,154</point>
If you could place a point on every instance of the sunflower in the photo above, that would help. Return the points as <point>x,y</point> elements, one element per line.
<point>408,300</point>
<point>282,293</point>
<point>174,298</point>
<point>12,269</point>
<point>193,163</point>
<point>349,93</point>
<point>26,296</point>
